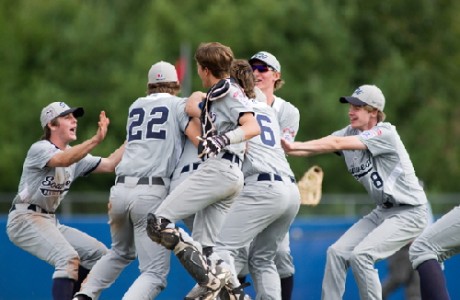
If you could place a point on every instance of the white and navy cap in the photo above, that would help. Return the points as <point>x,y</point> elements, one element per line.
<point>267,58</point>
<point>58,109</point>
<point>162,72</point>
<point>366,95</point>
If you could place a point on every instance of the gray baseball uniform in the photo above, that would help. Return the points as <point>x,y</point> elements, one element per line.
<point>214,185</point>
<point>188,163</point>
<point>288,118</point>
<point>439,241</point>
<point>32,224</point>
<point>265,208</point>
<point>155,127</point>
<point>386,172</point>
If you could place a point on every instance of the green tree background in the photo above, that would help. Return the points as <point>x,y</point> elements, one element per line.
<point>96,54</point>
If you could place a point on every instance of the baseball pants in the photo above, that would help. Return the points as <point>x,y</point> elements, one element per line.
<point>376,236</point>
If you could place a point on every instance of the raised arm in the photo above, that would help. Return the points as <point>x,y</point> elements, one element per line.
<point>71,155</point>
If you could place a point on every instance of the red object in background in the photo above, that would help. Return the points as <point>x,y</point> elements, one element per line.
<point>181,68</point>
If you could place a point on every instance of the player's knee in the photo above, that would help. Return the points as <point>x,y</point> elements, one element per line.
<point>68,268</point>
<point>360,259</point>
<point>162,231</point>
<point>421,251</point>
<point>334,251</point>
<point>284,263</point>
<point>169,238</point>
<point>93,255</point>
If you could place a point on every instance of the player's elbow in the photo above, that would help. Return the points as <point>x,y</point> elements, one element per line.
<point>107,165</point>
<point>256,130</point>
<point>59,161</point>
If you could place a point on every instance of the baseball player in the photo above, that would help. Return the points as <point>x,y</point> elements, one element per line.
<point>267,71</point>
<point>188,163</point>
<point>438,242</point>
<point>376,157</point>
<point>155,126</point>
<point>400,272</point>
<point>49,169</point>
<point>263,212</point>
<point>227,121</point>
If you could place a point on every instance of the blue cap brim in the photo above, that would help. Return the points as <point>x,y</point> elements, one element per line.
<point>76,111</point>
<point>352,100</point>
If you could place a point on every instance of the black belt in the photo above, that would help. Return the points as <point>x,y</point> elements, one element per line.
<point>389,204</point>
<point>187,167</point>
<point>231,157</point>
<point>35,208</point>
<point>270,177</point>
<point>143,180</point>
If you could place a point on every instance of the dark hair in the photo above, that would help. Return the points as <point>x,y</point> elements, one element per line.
<point>172,88</point>
<point>241,71</point>
<point>214,56</point>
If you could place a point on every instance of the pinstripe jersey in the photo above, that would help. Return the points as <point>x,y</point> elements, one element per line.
<point>384,169</point>
<point>46,186</point>
<point>155,128</point>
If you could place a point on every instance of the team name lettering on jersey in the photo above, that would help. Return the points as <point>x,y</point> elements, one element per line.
<point>51,188</point>
<point>362,170</point>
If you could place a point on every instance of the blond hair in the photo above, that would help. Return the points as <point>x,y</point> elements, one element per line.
<point>380,114</point>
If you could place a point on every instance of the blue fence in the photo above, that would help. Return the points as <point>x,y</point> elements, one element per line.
<point>23,276</point>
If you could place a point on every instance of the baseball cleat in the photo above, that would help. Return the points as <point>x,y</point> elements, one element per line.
<point>196,292</point>
<point>81,297</point>
<point>235,293</point>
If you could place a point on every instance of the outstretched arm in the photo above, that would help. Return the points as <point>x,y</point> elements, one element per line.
<point>71,155</point>
<point>324,145</point>
<point>109,163</point>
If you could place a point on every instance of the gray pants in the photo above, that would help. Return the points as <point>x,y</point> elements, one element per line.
<point>439,241</point>
<point>209,192</point>
<point>260,217</point>
<point>128,207</point>
<point>61,246</point>
<point>376,236</point>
